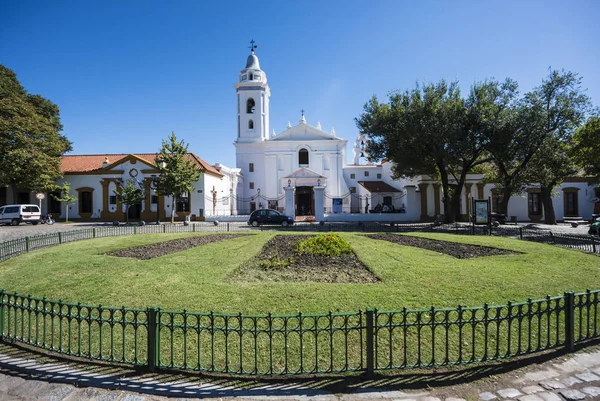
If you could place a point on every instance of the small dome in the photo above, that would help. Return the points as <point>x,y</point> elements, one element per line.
<point>252,62</point>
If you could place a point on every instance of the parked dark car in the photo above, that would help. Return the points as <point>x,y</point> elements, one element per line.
<point>269,216</point>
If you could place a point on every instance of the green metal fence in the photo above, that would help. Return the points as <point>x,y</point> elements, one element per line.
<point>238,344</point>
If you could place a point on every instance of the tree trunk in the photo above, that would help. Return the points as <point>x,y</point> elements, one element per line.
<point>549,214</point>
<point>127,214</point>
<point>448,216</point>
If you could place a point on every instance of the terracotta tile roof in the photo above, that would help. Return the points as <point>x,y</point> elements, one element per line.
<point>90,163</point>
<point>377,186</point>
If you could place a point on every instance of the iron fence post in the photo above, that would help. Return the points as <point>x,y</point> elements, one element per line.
<point>227,227</point>
<point>570,321</point>
<point>1,314</point>
<point>370,337</point>
<point>593,245</point>
<point>552,237</point>
<point>94,232</point>
<point>59,238</point>
<point>152,337</point>
<point>26,244</point>
<point>520,232</point>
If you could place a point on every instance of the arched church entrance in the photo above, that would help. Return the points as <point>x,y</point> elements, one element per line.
<point>305,201</point>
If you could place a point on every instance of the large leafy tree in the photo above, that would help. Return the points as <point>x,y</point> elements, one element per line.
<point>586,149</point>
<point>550,165</point>
<point>433,130</point>
<point>548,114</point>
<point>414,129</point>
<point>177,171</point>
<point>30,141</point>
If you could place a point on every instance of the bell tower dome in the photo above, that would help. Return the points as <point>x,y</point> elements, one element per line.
<point>252,101</point>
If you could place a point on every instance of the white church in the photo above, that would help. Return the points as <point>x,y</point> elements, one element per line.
<point>302,172</point>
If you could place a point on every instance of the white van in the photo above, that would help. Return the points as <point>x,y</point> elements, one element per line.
<point>17,214</point>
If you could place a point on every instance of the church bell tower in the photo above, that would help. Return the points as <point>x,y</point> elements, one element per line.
<point>252,101</point>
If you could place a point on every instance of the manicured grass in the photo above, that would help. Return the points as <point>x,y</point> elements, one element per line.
<point>197,279</point>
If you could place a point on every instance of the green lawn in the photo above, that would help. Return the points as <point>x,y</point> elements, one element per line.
<point>197,279</point>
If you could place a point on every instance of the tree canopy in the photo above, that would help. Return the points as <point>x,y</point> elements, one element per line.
<point>432,130</point>
<point>586,149</point>
<point>177,171</point>
<point>30,141</point>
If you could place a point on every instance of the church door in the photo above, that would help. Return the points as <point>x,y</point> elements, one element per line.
<point>304,201</point>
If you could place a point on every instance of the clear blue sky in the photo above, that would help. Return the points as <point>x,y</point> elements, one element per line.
<point>127,73</point>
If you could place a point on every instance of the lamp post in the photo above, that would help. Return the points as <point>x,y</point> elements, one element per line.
<point>154,186</point>
<point>231,201</point>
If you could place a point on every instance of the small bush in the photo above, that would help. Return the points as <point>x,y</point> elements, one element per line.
<point>324,244</point>
<point>274,261</point>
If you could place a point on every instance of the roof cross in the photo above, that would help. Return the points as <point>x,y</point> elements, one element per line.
<point>252,42</point>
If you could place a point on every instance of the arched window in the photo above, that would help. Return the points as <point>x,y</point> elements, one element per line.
<point>250,106</point>
<point>250,124</point>
<point>303,156</point>
<point>251,76</point>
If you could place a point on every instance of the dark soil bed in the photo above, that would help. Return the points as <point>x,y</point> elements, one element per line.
<point>454,249</point>
<point>164,248</point>
<point>346,268</point>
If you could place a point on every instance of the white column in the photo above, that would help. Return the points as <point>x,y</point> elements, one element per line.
<point>319,203</point>
<point>289,201</point>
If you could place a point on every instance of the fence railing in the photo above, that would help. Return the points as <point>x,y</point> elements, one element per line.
<point>238,344</point>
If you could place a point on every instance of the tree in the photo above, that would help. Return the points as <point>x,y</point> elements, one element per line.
<point>65,196</point>
<point>550,165</point>
<point>551,111</point>
<point>178,171</point>
<point>586,148</point>
<point>129,194</point>
<point>30,141</point>
<point>433,130</point>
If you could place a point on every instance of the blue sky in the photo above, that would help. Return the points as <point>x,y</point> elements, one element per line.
<point>127,73</point>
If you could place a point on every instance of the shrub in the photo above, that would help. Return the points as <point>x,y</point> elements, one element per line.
<point>273,260</point>
<point>324,244</point>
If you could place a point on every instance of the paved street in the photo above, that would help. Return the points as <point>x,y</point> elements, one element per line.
<point>571,377</point>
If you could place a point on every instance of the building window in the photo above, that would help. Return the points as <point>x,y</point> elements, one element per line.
<point>154,199</point>
<point>534,203</point>
<point>112,200</point>
<point>387,200</point>
<point>250,124</point>
<point>352,176</point>
<point>183,202</point>
<point>378,176</point>
<point>251,185</point>
<point>303,157</point>
<point>366,173</point>
<point>352,190</point>
<point>251,167</point>
<point>250,105</point>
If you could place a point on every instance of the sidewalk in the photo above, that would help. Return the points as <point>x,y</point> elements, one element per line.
<point>566,377</point>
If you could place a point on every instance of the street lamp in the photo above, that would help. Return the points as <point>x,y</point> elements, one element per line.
<point>154,186</point>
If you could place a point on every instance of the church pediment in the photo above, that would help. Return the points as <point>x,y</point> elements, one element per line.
<point>304,132</point>
<point>304,173</point>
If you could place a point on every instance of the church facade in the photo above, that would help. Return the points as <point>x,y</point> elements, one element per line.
<point>301,171</point>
